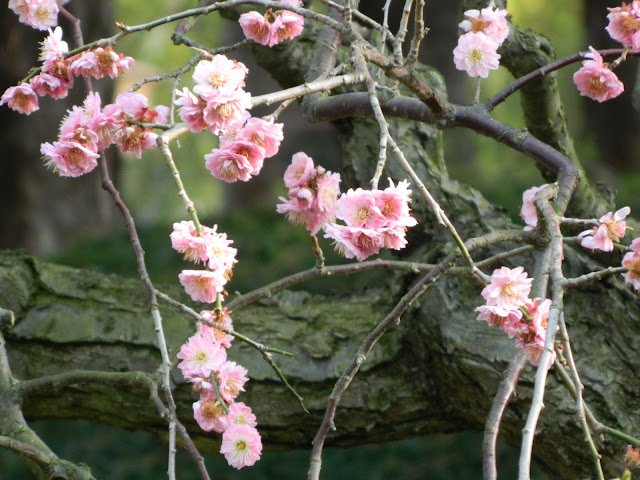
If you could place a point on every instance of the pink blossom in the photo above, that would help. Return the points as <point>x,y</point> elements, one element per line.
<point>611,229</point>
<point>98,121</point>
<point>528,212</point>
<point>327,191</point>
<point>231,380</point>
<point>69,158</point>
<point>631,260</point>
<point>507,320</point>
<point>509,288</point>
<point>533,336</point>
<point>595,80</point>
<point>219,319</point>
<point>224,112</point>
<point>38,14</point>
<point>21,98</point>
<point>239,160</point>
<point>241,414</point>
<point>635,245</point>
<point>358,209</point>
<point>476,54</point>
<point>287,25</point>
<point>47,84</point>
<point>100,62</point>
<point>624,24</point>
<point>219,76</point>
<point>491,21</point>
<point>210,415</point>
<point>241,446</point>
<point>211,248</point>
<point>203,285</point>
<point>263,133</point>
<point>300,171</point>
<point>200,356</point>
<point>355,241</point>
<point>192,110</point>
<point>53,47</point>
<point>256,27</point>
<point>393,203</point>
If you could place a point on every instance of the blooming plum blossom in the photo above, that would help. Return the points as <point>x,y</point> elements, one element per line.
<point>212,248</point>
<point>355,241</point>
<point>312,202</point>
<point>202,285</point>
<point>46,84</point>
<point>238,160</point>
<point>210,415</point>
<point>635,245</point>
<point>263,133</point>
<point>53,47</point>
<point>21,98</point>
<point>219,319</point>
<point>490,20</point>
<point>631,260</point>
<point>358,209</point>
<point>201,355</point>
<point>528,212</point>
<point>624,24</point>
<point>100,62</point>
<point>595,80</point>
<point>532,338</point>
<point>273,27</point>
<point>510,321</point>
<point>70,158</point>
<point>192,109</point>
<point>219,76</point>
<point>224,112</point>
<point>38,14</point>
<point>611,229</point>
<point>476,54</point>
<point>231,380</point>
<point>241,414</point>
<point>509,288</point>
<point>241,446</point>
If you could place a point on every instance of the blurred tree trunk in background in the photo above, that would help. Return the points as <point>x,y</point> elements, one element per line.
<point>40,211</point>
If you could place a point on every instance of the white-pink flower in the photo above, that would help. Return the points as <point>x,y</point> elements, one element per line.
<point>509,288</point>
<point>200,356</point>
<point>595,80</point>
<point>286,26</point>
<point>358,209</point>
<point>241,414</point>
<point>300,171</point>
<point>355,241</point>
<point>624,24</point>
<point>265,134</point>
<point>528,212</point>
<point>220,319</point>
<point>203,285</point>
<point>238,160</point>
<point>210,415</point>
<point>211,248</point>
<point>69,158</point>
<point>219,76</point>
<point>393,203</point>
<point>231,380</point>
<point>631,260</point>
<point>491,21</point>
<point>476,54</point>
<point>191,109</point>
<point>507,320</point>
<point>611,229</point>
<point>256,27</point>
<point>241,446</point>
<point>21,98</point>
<point>38,14</point>
<point>53,47</point>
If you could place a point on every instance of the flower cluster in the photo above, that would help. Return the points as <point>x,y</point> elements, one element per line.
<point>88,130</point>
<point>375,219</point>
<point>611,229</point>
<point>274,26</point>
<point>631,260</point>
<point>38,14</point>
<point>595,80</point>
<point>509,308</point>
<point>243,150</point>
<point>213,250</point>
<point>477,50</point>
<point>219,381</point>
<point>58,72</point>
<point>313,193</point>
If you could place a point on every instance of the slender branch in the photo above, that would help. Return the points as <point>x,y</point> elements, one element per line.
<point>418,34</point>
<point>580,407</point>
<point>590,277</point>
<point>492,426</point>
<point>545,70</point>
<point>176,74</point>
<point>47,462</point>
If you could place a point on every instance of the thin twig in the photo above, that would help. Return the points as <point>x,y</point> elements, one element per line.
<point>492,426</point>
<point>418,34</point>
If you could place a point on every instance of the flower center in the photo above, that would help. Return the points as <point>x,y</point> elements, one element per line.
<point>596,84</point>
<point>201,356</point>
<point>612,230</point>
<point>509,290</point>
<point>211,410</point>
<point>241,445</point>
<point>363,214</point>
<point>476,55</point>
<point>478,24</point>
<point>629,25</point>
